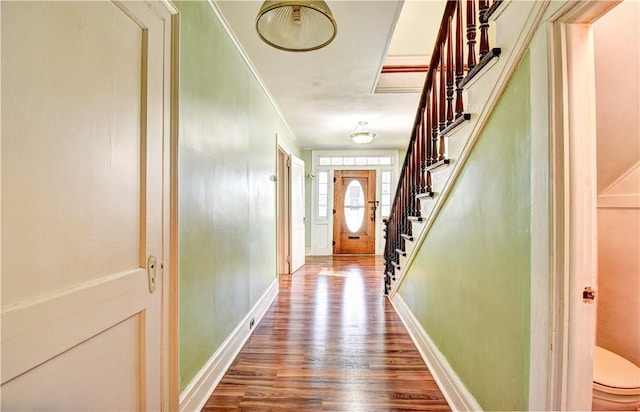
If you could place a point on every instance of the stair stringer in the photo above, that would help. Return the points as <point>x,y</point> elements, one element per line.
<point>515,27</point>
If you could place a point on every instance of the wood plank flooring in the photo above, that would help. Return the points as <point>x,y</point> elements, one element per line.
<point>330,342</point>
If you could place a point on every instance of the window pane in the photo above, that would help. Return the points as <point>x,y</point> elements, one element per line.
<point>322,200</point>
<point>384,211</point>
<point>385,160</point>
<point>386,177</point>
<point>324,161</point>
<point>386,188</point>
<point>323,176</point>
<point>322,189</point>
<point>372,161</point>
<point>361,161</point>
<point>322,211</point>
<point>354,206</point>
<point>349,161</point>
<point>336,161</point>
<point>386,200</point>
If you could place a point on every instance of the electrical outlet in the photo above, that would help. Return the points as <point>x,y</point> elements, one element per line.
<point>252,322</point>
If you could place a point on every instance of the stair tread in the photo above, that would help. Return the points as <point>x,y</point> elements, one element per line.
<point>408,237</point>
<point>440,164</point>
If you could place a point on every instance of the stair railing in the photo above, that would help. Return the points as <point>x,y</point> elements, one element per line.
<point>440,112</point>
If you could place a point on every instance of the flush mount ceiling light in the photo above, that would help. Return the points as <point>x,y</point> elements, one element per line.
<point>361,135</point>
<point>296,26</point>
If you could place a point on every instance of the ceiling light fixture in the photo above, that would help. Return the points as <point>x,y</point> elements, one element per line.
<point>361,135</point>
<point>296,26</point>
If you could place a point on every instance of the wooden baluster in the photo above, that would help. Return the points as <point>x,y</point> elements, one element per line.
<point>471,34</point>
<point>449,73</point>
<point>403,227</point>
<point>416,173</point>
<point>391,238</point>
<point>409,189</point>
<point>412,178</point>
<point>419,159</point>
<point>418,165</point>
<point>387,254</point>
<point>396,237</point>
<point>442,85</point>
<point>484,27</point>
<point>416,170</point>
<point>441,101</point>
<point>424,127</point>
<point>434,121</point>
<point>459,59</point>
<point>441,114</point>
<point>407,227</point>
<point>410,192</point>
<point>410,173</point>
<point>399,217</point>
<point>429,148</point>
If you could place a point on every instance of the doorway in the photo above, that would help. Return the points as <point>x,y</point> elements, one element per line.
<point>354,212</point>
<point>290,212</point>
<point>578,189</point>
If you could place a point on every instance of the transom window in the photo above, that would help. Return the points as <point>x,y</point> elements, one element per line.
<point>354,161</point>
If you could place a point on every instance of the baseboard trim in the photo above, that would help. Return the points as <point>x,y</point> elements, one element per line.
<point>457,395</point>
<point>195,395</point>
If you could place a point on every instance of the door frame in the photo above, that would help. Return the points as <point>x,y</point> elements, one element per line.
<point>170,365</point>
<point>371,176</point>
<point>573,205</point>
<point>283,220</point>
<point>321,227</point>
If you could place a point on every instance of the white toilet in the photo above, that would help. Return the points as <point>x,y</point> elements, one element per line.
<point>616,382</point>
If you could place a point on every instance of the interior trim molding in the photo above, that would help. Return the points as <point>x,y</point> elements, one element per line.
<point>623,201</point>
<point>195,395</point>
<point>457,395</point>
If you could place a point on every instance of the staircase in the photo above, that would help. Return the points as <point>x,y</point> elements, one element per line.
<point>466,76</point>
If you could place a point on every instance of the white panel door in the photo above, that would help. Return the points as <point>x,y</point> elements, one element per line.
<point>297,213</point>
<point>84,187</point>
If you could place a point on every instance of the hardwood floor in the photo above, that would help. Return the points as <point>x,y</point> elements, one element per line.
<point>330,341</point>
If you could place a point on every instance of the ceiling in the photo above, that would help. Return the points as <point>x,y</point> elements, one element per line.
<point>323,94</point>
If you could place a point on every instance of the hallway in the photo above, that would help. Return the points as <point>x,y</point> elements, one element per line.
<point>330,341</point>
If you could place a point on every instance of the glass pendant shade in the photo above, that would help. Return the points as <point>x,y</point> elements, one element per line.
<point>361,135</point>
<point>296,25</point>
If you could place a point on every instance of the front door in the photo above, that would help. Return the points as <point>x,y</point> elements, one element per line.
<point>354,211</point>
<point>85,89</point>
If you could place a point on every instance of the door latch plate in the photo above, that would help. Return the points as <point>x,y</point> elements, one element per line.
<point>151,273</point>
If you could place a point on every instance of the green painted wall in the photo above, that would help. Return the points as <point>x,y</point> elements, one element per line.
<point>469,284</point>
<point>402,153</point>
<point>227,206</point>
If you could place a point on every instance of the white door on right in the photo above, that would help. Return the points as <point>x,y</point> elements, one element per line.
<point>297,213</point>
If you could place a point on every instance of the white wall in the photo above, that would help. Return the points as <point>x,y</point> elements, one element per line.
<point>617,46</point>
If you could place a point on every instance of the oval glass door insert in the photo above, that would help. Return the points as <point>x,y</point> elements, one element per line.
<point>354,206</point>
